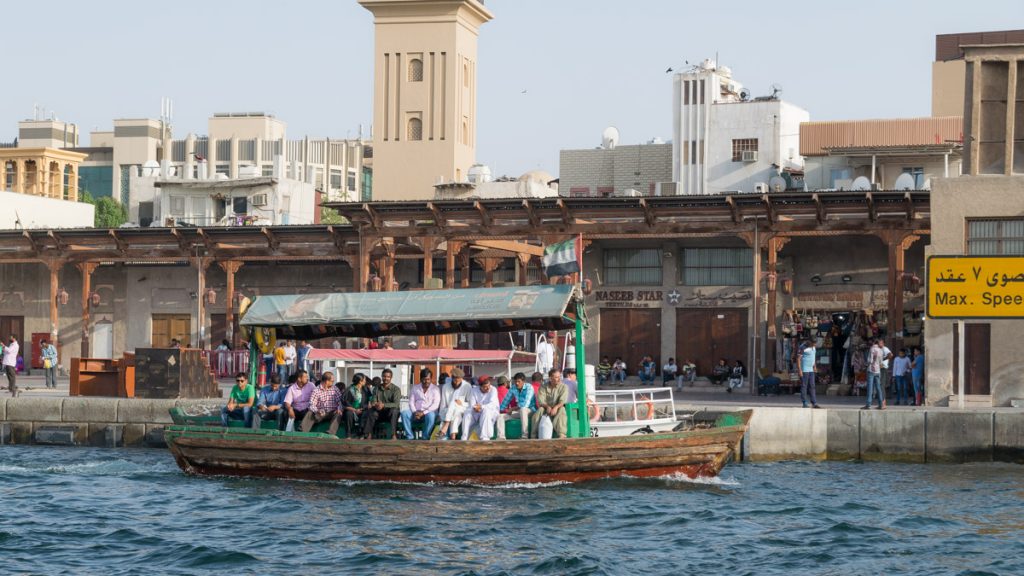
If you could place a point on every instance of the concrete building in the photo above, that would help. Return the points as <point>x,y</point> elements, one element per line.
<point>25,212</point>
<point>878,153</point>
<point>424,104</point>
<point>949,67</point>
<point>613,169</point>
<point>482,186</point>
<point>982,214</point>
<point>727,139</point>
<point>52,133</point>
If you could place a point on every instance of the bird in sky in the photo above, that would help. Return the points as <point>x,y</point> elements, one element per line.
<point>667,70</point>
<point>523,92</point>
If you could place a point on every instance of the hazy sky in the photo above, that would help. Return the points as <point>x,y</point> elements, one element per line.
<point>585,64</point>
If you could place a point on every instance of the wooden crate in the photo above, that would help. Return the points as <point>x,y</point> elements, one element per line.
<point>173,373</point>
<point>94,377</point>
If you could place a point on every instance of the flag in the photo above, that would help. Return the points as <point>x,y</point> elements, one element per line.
<point>562,258</point>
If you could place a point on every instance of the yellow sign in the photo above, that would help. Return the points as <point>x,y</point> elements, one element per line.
<point>976,287</point>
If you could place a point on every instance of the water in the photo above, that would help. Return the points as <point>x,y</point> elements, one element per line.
<point>93,511</point>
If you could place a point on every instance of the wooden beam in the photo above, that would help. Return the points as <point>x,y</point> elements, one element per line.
<point>439,219</point>
<point>733,209</point>
<point>510,246</point>
<point>649,216</point>
<point>58,242</point>
<point>872,210</point>
<point>485,216</point>
<point>122,246</point>
<point>182,243</point>
<point>531,214</point>
<point>819,209</point>
<point>909,202</point>
<point>564,209</point>
<point>31,240</point>
<point>272,241</point>
<point>371,213</point>
<point>769,208</point>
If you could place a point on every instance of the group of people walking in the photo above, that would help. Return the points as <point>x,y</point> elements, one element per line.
<point>457,407</point>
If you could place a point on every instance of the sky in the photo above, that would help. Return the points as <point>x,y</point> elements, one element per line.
<point>583,64</point>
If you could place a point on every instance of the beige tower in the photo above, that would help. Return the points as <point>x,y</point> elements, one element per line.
<point>424,101</point>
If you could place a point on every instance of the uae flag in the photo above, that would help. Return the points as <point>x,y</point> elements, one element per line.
<point>563,258</point>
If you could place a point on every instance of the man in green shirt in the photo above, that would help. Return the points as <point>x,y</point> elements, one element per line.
<point>240,402</point>
<point>386,403</point>
<point>551,400</point>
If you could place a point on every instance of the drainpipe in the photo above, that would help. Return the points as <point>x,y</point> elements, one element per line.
<point>872,171</point>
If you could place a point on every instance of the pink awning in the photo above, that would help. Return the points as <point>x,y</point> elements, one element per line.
<point>424,356</point>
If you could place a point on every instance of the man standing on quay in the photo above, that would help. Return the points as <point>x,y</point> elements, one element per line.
<point>808,356</point>
<point>875,376</point>
<point>10,363</point>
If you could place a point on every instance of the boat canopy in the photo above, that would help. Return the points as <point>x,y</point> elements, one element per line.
<point>424,356</point>
<point>423,312</point>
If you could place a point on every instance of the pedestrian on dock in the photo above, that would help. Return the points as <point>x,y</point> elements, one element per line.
<point>669,372</point>
<point>875,356</point>
<point>604,371</point>
<point>808,386</point>
<point>240,401</point>
<point>647,371</point>
<point>619,371</point>
<point>900,373</point>
<point>48,353</point>
<point>10,364</point>
<point>917,375</point>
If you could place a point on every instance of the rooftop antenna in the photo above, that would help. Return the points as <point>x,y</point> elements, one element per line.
<point>776,90</point>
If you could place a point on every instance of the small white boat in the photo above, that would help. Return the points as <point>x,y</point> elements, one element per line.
<point>625,412</point>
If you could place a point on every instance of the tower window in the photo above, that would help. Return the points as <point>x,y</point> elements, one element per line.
<point>415,131</point>
<point>415,70</point>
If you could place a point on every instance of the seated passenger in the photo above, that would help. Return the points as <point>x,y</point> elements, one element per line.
<point>324,404</point>
<point>386,403</point>
<point>354,403</point>
<point>454,400</point>
<point>424,401</point>
<point>551,401</point>
<point>296,400</point>
<point>604,371</point>
<point>240,402</point>
<point>569,379</point>
<point>270,404</point>
<point>518,403</point>
<point>482,412</point>
<point>720,373</point>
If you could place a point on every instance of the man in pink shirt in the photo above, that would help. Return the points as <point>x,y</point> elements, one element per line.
<point>424,400</point>
<point>10,364</point>
<point>296,400</point>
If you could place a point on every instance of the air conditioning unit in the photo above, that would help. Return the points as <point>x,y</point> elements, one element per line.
<point>259,199</point>
<point>749,156</point>
<point>761,187</point>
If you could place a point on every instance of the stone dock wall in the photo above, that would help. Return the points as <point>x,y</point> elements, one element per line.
<point>776,433</point>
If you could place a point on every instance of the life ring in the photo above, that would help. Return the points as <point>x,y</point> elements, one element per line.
<point>266,339</point>
<point>650,410</point>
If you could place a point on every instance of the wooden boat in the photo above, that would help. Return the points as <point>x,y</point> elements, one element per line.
<point>204,449</point>
<point>267,453</point>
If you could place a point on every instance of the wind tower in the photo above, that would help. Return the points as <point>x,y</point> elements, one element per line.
<point>424,101</point>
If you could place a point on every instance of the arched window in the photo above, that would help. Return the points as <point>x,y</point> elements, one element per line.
<point>415,70</point>
<point>415,131</point>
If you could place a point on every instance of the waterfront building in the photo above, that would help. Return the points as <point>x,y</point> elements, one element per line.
<point>424,103</point>
<point>726,138</point>
<point>615,170</point>
<point>979,214</point>
<point>38,188</point>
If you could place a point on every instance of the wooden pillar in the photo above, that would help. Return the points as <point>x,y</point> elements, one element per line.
<point>523,262</point>
<point>449,263</point>
<point>464,264</point>
<point>389,265</point>
<point>489,264</point>
<point>201,264</point>
<point>897,245</point>
<point>361,273</point>
<point>230,268</point>
<point>428,244</point>
<point>86,268</point>
<point>54,267</point>
<point>774,247</point>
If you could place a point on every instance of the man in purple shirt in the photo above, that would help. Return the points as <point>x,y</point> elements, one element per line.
<point>424,400</point>
<point>296,400</point>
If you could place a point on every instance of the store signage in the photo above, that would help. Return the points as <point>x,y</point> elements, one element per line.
<point>629,298</point>
<point>975,287</point>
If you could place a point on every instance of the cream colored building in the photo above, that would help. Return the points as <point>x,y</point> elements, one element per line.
<point>948,69</point>
<point>46,172</point>
<point>424,104</point>
<point>982,214</point>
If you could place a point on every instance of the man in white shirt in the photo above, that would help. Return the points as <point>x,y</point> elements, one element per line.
<point>454,401</point>
<point>545,355</point>
<point>10,364</point>
<point>482,412</point>
<point>669,372</point>
<point>290,355</point>
<point>886,357</point>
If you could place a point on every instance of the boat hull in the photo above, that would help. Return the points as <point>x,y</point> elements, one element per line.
<point>218,451</point>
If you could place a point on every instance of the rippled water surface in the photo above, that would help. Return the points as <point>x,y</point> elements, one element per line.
<point>91,511</point>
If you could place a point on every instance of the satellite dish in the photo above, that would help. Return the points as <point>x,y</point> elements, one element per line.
<point>610,138</point>
<point>745,94</point>
<point>861,183</point>
<point>777,184</point>
<point>905,182</point>
<point>776,89</point>
<point>150,168</point>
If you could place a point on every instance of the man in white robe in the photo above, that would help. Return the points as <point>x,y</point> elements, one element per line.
<point>454,401</point>
<point>482,412</point>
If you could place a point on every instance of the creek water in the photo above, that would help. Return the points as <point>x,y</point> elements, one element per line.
<point>110,512</point>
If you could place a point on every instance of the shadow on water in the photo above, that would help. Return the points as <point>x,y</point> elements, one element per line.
<point>130,511</point>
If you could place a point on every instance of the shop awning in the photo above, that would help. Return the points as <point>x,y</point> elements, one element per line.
<point>424,356</point>
<point>371,314</point>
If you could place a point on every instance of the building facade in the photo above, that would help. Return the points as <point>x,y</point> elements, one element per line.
<point>615,170</point>
<point>424,104</point>
<point>949,68</point>
<point>725,139</point>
